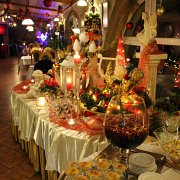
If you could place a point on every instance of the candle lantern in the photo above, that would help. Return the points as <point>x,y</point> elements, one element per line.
<point>67,74</point>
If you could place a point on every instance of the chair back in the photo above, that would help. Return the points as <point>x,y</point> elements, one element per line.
<point>51,51</point>
<point>47,49</point>
<point>34,49</point>
<point>46,55</point>
<point>36,55</point>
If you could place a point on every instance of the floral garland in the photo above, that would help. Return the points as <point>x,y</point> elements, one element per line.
<point>96,99</point>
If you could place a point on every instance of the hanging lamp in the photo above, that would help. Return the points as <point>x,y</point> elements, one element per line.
<point>27,22</point>
<point>81,3</point>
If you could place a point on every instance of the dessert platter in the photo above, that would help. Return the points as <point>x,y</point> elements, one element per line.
<point>107,165</point>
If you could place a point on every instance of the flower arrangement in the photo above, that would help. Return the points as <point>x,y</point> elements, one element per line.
<point>50,86</point>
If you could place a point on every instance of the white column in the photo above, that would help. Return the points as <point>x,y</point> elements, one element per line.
<point>151,63</point>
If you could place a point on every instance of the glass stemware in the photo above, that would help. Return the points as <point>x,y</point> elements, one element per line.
<point>126,123</point>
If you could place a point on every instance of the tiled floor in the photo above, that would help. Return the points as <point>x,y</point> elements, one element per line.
<point>14,163</point>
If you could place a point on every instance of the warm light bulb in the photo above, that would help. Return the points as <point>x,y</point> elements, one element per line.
<point>41,101</point>
<point>71,121</point>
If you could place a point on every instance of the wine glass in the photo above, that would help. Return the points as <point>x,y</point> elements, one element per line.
<point>126,123</point>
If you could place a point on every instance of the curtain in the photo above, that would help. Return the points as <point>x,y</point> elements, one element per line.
<point>117,22</point>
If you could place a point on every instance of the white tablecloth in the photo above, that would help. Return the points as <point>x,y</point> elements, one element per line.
<point>61,145</point>
<point>26,60</point>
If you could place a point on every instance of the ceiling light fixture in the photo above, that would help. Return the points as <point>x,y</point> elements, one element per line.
<point>81,3</point>
<point>29,27</point>
<point>56,19</point>
<point>27,22</point>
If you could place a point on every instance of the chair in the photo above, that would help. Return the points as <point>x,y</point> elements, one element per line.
<point>51,51</point>
<point>36,55</point>
<point>45,55</point>
<point>47,49</point>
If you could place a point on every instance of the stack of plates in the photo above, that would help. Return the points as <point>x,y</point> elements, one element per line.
<point>150,176</point>
<point>142,162</point>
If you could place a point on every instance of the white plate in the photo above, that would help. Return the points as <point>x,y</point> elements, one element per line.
<point>151,176</point>
<point>139,171</point>
<point>142,159</point>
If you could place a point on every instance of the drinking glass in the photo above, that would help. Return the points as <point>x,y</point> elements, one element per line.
<point>126,123</point>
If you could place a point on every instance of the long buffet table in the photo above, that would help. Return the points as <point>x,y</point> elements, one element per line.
<point>49,145</point>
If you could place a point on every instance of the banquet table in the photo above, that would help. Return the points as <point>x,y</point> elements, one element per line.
<point>26,60</point>
<point>51,146</point>
<point>38,134</point>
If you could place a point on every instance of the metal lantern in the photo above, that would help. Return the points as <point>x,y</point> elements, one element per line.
<point>68,74</point>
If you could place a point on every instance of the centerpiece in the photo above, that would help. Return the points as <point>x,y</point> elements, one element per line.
<point>50,86</point>
<point>126,120</point>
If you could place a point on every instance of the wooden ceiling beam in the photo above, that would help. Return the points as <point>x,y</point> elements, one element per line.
<point>30,6</point>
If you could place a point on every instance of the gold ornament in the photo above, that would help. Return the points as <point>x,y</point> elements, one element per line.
<point>108,75</point>
<point>94,109</point>
<point>160,10</point>
<point>134,78</point>
<point>101,103</point>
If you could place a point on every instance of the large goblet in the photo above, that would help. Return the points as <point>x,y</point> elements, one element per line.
<point>126,122</point>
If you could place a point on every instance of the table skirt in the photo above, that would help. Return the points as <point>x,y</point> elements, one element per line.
<point>36,154</point>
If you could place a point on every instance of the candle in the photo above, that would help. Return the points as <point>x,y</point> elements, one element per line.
<point>41,101</point>
<point>71,121</point>
<point>77,58</point>
<point>32,81</point>
<point>25,87</point>
<point>69,83</point>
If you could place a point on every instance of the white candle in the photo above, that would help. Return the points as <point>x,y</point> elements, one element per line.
<point>32,80</point>
<point>77,58</point>
<point>71,121</point>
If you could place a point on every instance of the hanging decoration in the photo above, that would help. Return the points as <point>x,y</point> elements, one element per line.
<point>160,9</point>
<point>129,25</point>
<point>47,15</point>
<point>120,51</point>
<point>177,79</point>
<point>40,22</point>
<point>60,9</point>
<point>7,8</point>
<point>47,3</point>
<point>20,14</point>
<point>92,23</point>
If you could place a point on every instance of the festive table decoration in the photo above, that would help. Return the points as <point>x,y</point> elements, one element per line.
<point>67,74</point>
<point>50,86</point>
<point>92,23</point>
<point>33,91</point>
<point>97,99</point>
